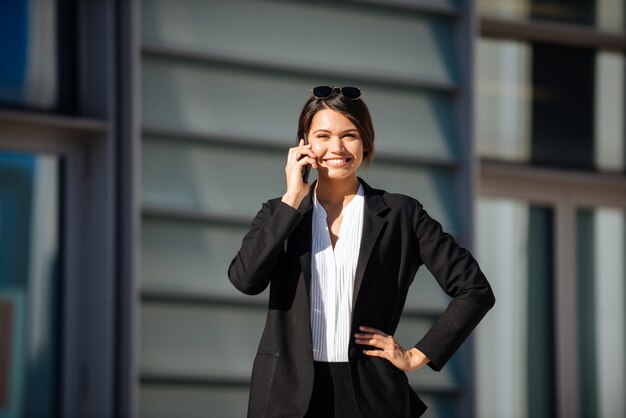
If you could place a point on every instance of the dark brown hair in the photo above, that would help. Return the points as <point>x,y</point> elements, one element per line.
<point>355,110</point>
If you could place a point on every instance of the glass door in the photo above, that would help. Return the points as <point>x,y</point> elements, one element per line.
<point>515,343</point>
<point>554,248</point>
<point>601,280</point>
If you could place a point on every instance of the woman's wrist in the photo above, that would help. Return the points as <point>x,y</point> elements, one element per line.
<point>417,359</point>
<point>292,200</point>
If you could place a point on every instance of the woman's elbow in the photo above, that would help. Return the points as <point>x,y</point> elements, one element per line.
<point>491,299</point>
<point>243,282</point>
<point>486,296</point>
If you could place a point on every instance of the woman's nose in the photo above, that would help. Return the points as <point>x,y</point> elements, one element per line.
<point>336,144</point>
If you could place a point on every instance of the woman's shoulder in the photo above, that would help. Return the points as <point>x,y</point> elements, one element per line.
<point>400,199</point>
<point>393,199</point>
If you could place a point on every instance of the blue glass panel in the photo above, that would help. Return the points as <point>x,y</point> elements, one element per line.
<point>13,49</point>
<point>29,281</point>
<point>28,53</point>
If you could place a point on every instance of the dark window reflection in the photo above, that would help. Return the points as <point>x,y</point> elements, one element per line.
<point>540,347</point>
<point>582,12</point>
<point>549,105</point>
<point>563,106</point>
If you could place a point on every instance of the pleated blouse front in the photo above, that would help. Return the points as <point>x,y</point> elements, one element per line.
<point>332,279</point>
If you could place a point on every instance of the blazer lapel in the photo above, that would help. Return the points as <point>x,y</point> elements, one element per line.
<point>373,223</point>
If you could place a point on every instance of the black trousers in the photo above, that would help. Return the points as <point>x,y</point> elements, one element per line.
<point>333,395</point>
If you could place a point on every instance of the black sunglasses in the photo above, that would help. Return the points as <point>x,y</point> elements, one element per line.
<point>324,92</point>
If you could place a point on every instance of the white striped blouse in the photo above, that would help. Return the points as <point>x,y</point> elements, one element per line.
<point>332,279</point>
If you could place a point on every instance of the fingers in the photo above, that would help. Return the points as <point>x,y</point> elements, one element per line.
<point>375,340</point>
<point>375,353</point>
<point>373,336</point>
<point>296,153</point>
<point>384,346</point>
<point>372,330</point>
<point>297,158</point>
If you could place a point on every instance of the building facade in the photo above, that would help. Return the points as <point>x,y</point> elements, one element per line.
<point>139,138</point>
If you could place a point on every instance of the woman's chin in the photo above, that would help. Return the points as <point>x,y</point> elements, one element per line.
<point>332,174</point>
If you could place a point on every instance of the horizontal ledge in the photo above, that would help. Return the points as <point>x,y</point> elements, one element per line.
<point>221,57</point>
<point>558,33</point>
<point>419,6</point>
<point>195,215</point>
<point>192,379</point>
<point>161,294</point>
<point>552,185</point>
<point>263,144</point>
<point>81,124</point>
<point>159,377</point>
<point>543,174</point>
<point>169,295</point>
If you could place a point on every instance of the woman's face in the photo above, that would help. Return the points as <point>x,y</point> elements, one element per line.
<point>337,143</point>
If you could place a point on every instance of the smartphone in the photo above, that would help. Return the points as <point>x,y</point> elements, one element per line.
<point>307,168</point>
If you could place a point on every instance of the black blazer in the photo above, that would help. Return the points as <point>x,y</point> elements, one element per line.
<point>398,237</point>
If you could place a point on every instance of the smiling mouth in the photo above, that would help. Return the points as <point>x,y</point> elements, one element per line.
<point>336,162</point>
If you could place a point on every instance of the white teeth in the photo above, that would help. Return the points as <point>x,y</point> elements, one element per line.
<point>337,160</point>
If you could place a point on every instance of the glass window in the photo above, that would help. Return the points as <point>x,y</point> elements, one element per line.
<point>298,33</point>
<point>264,106</point>
<point>194,256</point>
<point>28,53</point>
<point>514,344</point>
<point>601,268</point>
<point>550,105</point>
<point>602,14</point>
<point>166,400</point>
<point>168,347</point>
<point>189,256</point>
<point>197,176</point>
<point>609,152</point>
<point>181,338</point>
<point>29,284</point>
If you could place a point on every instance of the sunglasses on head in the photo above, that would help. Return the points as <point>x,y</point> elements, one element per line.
<point>324,92</point>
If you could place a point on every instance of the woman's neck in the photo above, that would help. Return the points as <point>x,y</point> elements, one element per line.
<point>336,193</point>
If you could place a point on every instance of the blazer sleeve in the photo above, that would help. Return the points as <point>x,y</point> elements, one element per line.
<point>459,275</point>
<point>262,247</point>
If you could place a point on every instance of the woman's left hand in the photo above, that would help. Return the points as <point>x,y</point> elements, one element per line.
<point>389,349</point>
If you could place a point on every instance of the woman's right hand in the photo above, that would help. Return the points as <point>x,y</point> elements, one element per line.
<point>297,158</point>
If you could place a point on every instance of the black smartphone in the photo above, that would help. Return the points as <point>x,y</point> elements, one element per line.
<point>307,168</point>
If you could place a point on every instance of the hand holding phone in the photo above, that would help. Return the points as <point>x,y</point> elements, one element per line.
<point>306,170</point>
<point>298,188</point>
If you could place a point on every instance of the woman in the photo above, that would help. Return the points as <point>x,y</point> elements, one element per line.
<point>339,257</point>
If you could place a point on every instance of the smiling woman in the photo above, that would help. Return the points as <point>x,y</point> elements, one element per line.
<point>339,257</point>
<point>336,143</point>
